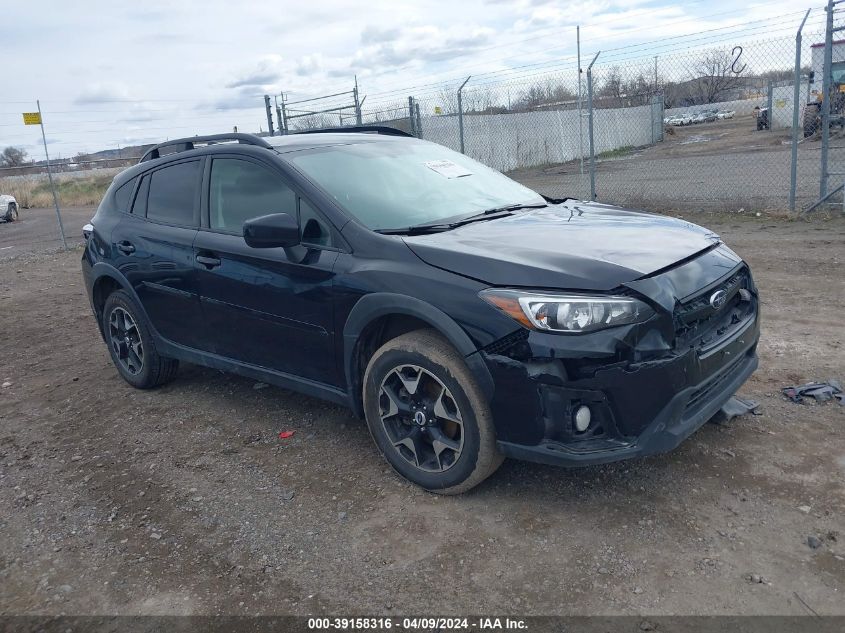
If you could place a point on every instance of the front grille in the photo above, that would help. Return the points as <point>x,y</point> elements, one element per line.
<point>699,324</point>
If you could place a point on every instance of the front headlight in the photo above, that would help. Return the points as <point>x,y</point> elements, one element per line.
<point>567,313</point>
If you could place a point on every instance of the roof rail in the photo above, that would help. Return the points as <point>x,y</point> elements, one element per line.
<point>366,129</point>
<point>185,144</point>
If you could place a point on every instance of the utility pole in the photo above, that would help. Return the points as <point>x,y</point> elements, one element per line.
<point>269,114</point>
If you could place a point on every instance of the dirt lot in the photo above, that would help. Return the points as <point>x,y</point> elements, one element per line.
<point>720,166</point>
<point>184,499</point>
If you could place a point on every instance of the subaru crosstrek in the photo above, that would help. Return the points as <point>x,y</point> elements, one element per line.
<point>464,316</point>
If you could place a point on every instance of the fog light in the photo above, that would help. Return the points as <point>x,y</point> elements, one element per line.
<point>582,418</point>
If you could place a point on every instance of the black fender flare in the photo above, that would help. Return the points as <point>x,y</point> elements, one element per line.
<point>102,269</point>
<point>379,304</point>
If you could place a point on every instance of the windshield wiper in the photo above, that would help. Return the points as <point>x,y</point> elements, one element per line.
<point>436,227</point>
<point>510,207</point>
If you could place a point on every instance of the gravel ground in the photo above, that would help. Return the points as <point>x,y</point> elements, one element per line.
<point>184,500</point>
<point>720,166</point>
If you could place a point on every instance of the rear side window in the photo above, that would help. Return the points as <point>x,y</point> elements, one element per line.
<point>123,194</point>
<point>241,190</point>
<point>173,194</point>
<point>139,207</point>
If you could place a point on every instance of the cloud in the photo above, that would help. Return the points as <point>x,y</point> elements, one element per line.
<point>309,64</point>
<point>421,45</point>
<point>102,93</point>
<point>243,98</point>
<point>263,73</point>
<point>376,34</point>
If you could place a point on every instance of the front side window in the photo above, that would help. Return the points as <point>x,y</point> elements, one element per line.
<point>173,193</point>
<point>391,184</point>
<point>242,190</point>
<point>313,229</point>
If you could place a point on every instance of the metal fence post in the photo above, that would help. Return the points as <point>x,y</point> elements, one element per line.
<point>461,114</point>
<point>284,121</point>
<point>590,127</point>
<point>419,118</point>
<point>580,110</point>
<point>769,103</point>
<point>50,177</point>
<point>358,117</point>
<point>828,62</point>
<point>411,117</point>
<point>278,113</point>
<point>796,97</point>
<point>269,114</point>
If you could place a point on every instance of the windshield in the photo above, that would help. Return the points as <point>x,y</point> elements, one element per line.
<point>393,185</point>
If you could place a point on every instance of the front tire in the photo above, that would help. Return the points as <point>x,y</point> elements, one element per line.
<point>11,212</point>
<point>427,414</point>
<point>131,346</point>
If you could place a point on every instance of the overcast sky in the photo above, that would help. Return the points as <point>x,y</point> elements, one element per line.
<point>117,73</point>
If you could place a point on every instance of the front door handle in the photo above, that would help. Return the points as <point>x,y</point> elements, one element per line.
<point>125,247</point>
<point>208,262</point>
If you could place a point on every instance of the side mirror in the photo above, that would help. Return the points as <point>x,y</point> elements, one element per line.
<point>272,231</point>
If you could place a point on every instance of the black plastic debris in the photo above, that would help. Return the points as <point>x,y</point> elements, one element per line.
<point>733,408</point>
<point>820,391</point>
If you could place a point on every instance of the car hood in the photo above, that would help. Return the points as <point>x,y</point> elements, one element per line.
<point>572,245</point>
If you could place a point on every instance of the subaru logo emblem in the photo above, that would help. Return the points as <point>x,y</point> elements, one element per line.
<point>718,299</point>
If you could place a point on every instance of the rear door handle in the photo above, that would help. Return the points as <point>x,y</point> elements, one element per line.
<point>208,262</point>
<point>125,247</point>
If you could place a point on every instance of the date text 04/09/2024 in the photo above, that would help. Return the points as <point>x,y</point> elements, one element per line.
<point>417,623</point>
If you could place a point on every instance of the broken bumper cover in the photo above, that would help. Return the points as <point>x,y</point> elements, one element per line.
<point>638,409</point>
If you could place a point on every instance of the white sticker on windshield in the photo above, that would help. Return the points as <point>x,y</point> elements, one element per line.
<point>447,168</point>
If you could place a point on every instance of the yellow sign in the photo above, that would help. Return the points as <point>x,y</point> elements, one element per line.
<point>32,118</point>
<point>438,110</point>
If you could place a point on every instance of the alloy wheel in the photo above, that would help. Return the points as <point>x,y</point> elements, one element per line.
<point>421,418</point>
<point>125,339</point>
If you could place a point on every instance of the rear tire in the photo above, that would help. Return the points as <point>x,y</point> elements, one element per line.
<point>11,212</point>
<point>427,414</point>
<point>131,345</point>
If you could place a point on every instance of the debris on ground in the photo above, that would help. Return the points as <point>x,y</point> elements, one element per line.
<point>735,407</point>
<point>820,391</point>
<point>286,434</point>
<point>814,542</point>
<point>260,385</point>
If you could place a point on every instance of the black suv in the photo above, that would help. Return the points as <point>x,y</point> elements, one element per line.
<point>466,317</point>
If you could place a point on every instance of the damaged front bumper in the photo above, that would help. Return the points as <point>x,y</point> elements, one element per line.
<point>644,395</point>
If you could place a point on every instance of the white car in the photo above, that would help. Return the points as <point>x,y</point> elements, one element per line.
<point>8,209</point>
<point>683,119</point>
<point>725,114</point>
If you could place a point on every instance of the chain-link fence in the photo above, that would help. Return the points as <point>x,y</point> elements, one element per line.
<point>710,126</point>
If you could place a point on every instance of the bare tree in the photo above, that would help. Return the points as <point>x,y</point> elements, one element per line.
<point>613,85</point>
<point>713,76</point>
<point>447,99</point>
<point>13,157</point>
<point>543,93</point>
